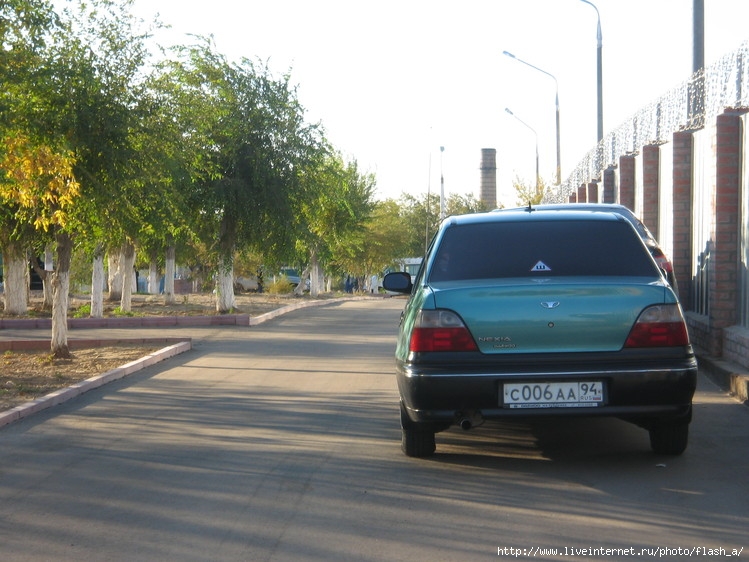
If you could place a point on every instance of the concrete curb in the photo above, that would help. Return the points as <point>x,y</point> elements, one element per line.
<point>255,320</point>
<point>65,394</point>
<point>35,345</point>
<point>167,321</point>
<point>726,375</point>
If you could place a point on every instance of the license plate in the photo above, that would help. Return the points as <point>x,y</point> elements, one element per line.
<point>588,394</point>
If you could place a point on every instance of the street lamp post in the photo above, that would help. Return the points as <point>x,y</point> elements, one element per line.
<point>538,177</point>
<point>599,50</point>
<point>442,186</point>
<point>556,103</point>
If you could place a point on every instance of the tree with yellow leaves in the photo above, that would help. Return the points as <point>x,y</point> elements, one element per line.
<point>38,185</point>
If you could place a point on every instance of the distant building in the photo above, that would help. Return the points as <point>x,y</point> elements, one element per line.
<point>488,192</point>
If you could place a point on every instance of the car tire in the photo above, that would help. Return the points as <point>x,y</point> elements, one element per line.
<point>417,439</point>
<point>418,443</point>
<point>669,438</point>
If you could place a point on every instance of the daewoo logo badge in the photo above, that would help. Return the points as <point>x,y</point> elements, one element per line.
<point>550,304</point>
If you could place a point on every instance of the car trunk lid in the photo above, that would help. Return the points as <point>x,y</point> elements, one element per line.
<point>551,315</point>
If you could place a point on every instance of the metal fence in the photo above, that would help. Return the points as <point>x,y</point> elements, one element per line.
<point>702,208</point>
<point>724,84</point>
<point>744,238</point>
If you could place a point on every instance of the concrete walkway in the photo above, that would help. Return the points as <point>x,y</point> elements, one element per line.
<point>31,334</point>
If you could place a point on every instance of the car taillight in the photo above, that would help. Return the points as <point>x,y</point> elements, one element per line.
<point>659,326</point>
<point>664,264</point>
<point>440,330</point>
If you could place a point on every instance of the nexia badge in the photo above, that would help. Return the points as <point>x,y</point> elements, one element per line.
<point>541,266</point>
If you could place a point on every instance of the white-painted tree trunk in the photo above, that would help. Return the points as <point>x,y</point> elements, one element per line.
<point>15,280</point>
<point>127,262</point>
<point>60,289</point>
<point>314,276</point>
<point>114,276</point>
<point>97,284</point>
<point>60,281</point>
<point>299,289</point>
<point>48,269</point>
<point>225,286</point>
<point>153,278</point>
<point>169,270</point>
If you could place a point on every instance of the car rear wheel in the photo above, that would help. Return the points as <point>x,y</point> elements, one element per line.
<point>418,443</point>
<point>417,439</point>
<point>669,438</point>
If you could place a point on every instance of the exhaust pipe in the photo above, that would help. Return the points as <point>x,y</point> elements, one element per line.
<point>469,419</point>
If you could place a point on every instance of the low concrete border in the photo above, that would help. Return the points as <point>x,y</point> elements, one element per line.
<point>255,320</point>
<point>727,376</point>
<point>167,321</point>
<point>35,345</point>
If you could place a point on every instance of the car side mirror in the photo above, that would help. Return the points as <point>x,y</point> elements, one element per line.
<point>397,282</point>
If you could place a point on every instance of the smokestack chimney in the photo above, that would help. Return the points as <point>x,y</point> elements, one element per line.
<point>488,194</point>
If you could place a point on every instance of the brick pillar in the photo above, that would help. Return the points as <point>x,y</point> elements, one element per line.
<point>651,164</point>
<point>682,205</point>
<point>573,197</point>
<point>593,192</point>
<point>582,194</point>
<point>723,289</point>
<point>627,181</point>
<point>609,185</point>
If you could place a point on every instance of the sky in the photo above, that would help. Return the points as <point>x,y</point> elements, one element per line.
<point>414,89</point>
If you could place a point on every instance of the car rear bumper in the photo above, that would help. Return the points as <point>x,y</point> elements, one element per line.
<point>638,392</point>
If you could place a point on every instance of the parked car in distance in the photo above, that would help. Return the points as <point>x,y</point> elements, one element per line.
<point>519,314</point>
<point>655,250</point>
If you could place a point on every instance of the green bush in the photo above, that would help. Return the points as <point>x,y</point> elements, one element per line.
<point>83,311</point>
<point>281,287</point>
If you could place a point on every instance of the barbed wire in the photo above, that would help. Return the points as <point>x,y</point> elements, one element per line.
<point>688,106</point>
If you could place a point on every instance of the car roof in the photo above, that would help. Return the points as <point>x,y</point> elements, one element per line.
<point>524,214</point>
<point>602,207</point>
<point>625,212</point>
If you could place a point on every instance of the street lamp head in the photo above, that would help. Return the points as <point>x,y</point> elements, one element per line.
<point>509,54</point>
<point>507,110</point>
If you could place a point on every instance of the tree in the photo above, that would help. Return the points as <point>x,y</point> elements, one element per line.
<point>40,183</point>
<point>421,217</point>
<point>24,27</point>
<point>336,202</point>
<point>529,195</point>
<point>384,241</point>
<point>248,144</point>
<point>75,124</point>
<point>463,204</point>
<point>103,109</point>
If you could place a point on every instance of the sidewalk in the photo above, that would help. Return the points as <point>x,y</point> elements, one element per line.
<point>176,345</point>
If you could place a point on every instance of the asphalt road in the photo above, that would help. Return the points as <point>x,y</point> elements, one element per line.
<point>281,442</point>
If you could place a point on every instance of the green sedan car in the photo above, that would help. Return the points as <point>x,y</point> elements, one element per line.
<point>521,313</point>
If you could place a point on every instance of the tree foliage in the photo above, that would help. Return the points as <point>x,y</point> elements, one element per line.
<point>38,181</point>
<point>529,194</point>
<point>421,217</point>
<point>211,157</point>
<point>331,214</point>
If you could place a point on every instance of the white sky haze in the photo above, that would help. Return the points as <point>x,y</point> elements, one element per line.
<point>393,80</point>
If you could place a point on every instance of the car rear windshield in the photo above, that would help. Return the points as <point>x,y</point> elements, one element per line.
<point>540,248</point>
